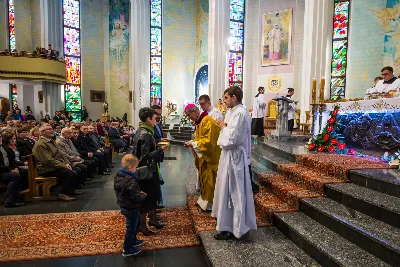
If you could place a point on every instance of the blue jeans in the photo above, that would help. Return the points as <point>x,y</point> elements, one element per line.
<point>132,227</point>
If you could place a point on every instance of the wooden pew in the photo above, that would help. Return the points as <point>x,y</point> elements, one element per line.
<point>110,145</point>
<point>39,187</point>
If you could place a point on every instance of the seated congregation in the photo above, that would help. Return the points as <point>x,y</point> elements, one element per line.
<point>60,156</point>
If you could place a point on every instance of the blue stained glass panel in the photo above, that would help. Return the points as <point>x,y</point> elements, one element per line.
<point>155,41</point>
<point>72,42</point>
<point>155,14</point>
<point>71,13</point>
<point>237,10</point>
<point>236,36</point>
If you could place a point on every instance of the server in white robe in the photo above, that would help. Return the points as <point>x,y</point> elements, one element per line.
<point>205,104</point>
<point>291,113</point>
<point>389,82</point>
<point>233,204</point>
<point>257,115</point>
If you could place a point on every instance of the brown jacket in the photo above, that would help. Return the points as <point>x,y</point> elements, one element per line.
<point>48,156</point>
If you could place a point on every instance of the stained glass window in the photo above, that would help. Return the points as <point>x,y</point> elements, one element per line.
<point>236,43</point>
<point>14,95</point>
<point>339,48</point>
<point>72,56</point>
<point>156,52</point>
<point>11,22</point>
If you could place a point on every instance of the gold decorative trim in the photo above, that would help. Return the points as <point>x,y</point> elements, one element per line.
<point>32,73</point>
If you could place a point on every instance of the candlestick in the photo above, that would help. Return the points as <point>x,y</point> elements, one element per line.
<point>314,91</point>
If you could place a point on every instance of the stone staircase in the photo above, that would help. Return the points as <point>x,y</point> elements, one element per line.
<point>340,210</point>
<point>179,134</point>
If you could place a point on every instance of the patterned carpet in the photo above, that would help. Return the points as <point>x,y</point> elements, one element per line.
<point>44,236</point>
<point>338,165</point>
<point>203,222</point>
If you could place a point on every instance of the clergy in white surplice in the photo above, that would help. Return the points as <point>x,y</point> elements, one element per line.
<point>233,198</point>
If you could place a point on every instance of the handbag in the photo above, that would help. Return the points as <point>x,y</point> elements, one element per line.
<point>144,172</point>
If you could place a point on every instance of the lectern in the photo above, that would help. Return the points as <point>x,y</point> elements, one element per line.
<point>282,109</point>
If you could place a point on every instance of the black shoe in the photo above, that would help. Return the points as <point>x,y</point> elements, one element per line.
<point>146,232</point>
<point>105,173</point>
<point>156,225</point>
<point>138,243</point>
<point>14,204</point>
<point>160,206</point>
<point>108,170</point>
<point>224,235</point>
<point>111,165</point>
<point>94,176</point>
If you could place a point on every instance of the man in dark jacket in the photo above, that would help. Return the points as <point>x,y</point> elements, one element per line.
<point>24,144</point>
<point>129,197</point>
<point>90,146</point>
<point>100,144</point>
<point>116,139</point>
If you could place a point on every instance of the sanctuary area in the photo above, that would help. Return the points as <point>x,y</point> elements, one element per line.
<point>200,133</point>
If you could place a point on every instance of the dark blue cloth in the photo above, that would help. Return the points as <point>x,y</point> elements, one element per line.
<point>18,117</point>
<point>133,174</point>
<point>158,133</point>
<point>132,228</point>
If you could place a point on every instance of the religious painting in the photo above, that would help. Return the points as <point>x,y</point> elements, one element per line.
<point>201,83</point>
<point>276,38</point>
<point>389,18</point>
<point>96,96</point>
<point>119,55</point>
<point>40,96</point>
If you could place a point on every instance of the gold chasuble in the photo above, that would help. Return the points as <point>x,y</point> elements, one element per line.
<point>207,155</point>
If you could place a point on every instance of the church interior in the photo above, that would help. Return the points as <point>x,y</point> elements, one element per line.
<point>325,169</point>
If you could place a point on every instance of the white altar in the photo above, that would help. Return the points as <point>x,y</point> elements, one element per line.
<point>371,123</point>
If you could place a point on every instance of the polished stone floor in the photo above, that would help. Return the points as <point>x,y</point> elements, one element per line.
<point>99,195</point>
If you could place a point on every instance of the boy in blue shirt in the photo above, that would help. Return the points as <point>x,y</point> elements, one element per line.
<point>129,198</point>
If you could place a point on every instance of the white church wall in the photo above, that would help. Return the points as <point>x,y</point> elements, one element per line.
<point>254,74</point>
<point>366,39</point>
<point>179,52</point>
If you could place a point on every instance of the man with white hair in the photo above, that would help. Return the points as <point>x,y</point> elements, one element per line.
<point>68,149</point>
<point>51,162</point>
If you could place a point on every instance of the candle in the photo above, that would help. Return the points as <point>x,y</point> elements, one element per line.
<point>314,91</point>
<point>322,91</point>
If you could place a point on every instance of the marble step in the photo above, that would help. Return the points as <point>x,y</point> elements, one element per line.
<point>267,158</point>
<point>285,190</point>
<point>384,181</point>
<point>307,178</point>
<point>262,247</point>
<point>286,150</point>
<point>322,244</point>
<point>376,237</point>
<point>380,206</point>
<point>267,204</point>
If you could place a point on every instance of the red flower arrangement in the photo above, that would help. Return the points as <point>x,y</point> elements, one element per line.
<point>327,140</point>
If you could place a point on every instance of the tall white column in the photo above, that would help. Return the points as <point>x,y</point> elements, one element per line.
<point>139,57</point>
<point>218,47</point>
<point>316,39</point>
<point>52,25</point>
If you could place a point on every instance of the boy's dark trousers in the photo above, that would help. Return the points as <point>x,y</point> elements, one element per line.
<point>132,227</point>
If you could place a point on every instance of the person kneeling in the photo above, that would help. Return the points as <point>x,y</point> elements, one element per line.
<point>129,198</point>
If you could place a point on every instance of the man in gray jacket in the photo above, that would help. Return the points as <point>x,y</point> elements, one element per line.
<point>66,146</point>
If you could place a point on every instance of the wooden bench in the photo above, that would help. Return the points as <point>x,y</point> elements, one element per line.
<point>109,144</point>
<point>39,187</point>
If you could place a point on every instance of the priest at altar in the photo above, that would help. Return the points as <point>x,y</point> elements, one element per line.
<point>389,84</point>
<point>206,155</point>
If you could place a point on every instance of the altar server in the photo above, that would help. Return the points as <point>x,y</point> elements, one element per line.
<point>205,104</point>
<point>233,199</point>
<point>206,155</point>
<point>389,82</point>
<point>257,121</point>
<point>291,113</point>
